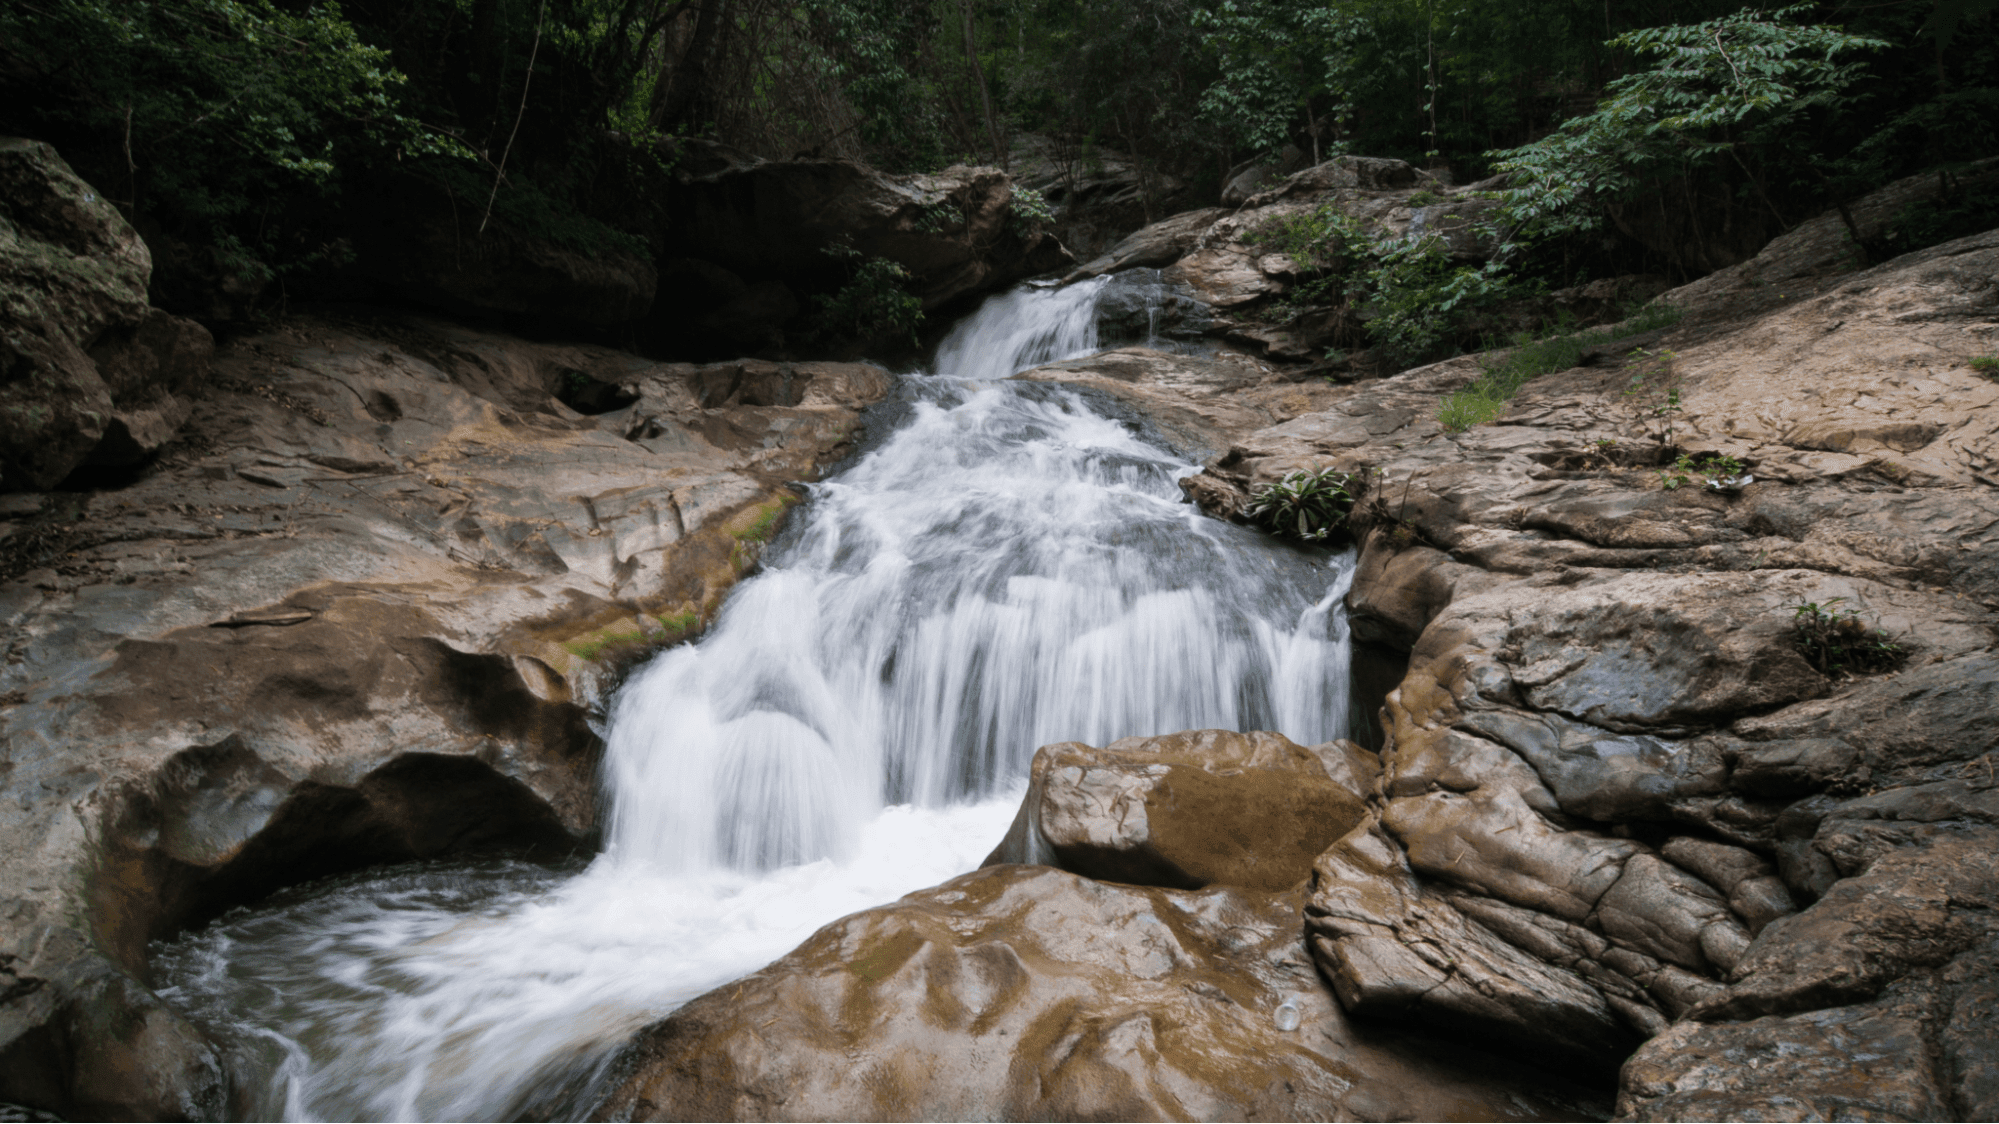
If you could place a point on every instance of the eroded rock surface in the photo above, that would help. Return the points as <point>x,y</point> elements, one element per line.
<point>1026,993</point>
<point>354,615</point>
<point>1617,803</point>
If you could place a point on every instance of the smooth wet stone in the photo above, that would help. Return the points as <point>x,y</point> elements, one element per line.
<point>1025,993</point>
<point>1187,810</point>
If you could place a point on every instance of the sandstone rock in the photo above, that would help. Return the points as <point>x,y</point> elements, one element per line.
<point>1672,916</point>
<point>1401,588</point>
<point>1096,195</point>
<point>1748,880</point>
<point>107,1049</point>
<point>1365,173</point>
<point>1814,255</point>
<point>1226,276</point>
<point>1466,226</point>
<point>1916,907</point>
<point>1028,993</point>
<point>1970,1039</point>
<point>1395,952</point>
<point>1247,179</point>
<point>1206,807</point>
<point>360,620</point>
<point>90,372</point>
<point>1193,402</point>
<point>1160,244</point>
<point>1607,297</point>
<point>1138,306</point>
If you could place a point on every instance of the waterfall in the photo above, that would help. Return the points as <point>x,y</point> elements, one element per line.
<point>1009,567</point>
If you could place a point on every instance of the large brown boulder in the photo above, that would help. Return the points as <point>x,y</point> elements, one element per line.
<point>1206,807</point>
<point>89,374</point>
<point>1024,993</point>
<point>1096,194</point>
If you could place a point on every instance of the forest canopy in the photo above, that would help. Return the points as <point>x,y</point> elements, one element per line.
<point>245,125</point>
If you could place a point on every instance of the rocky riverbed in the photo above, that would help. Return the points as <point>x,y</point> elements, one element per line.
<point>349,589</point>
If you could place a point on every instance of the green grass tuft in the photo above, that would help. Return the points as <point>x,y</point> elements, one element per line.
<point>1486,397</point>
<point>589,648</point>
<point>680,624</point>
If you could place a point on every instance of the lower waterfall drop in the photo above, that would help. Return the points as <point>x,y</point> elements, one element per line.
<point>1011,566</point>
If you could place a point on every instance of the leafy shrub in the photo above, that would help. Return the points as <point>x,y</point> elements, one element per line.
<point>1736,88</point>
<point>1030,213</point>
<point>522,204</point>
<point>223,108</point>
<point>1987,365</point>
<point>1309,506</point>
<point>1720,473</point>
<point>1834,640</point>
<point>1409,293</point>
<point>873,304</point>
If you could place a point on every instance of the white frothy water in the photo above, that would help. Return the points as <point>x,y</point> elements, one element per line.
<point>1021,328</point>
<point>1010,567</point>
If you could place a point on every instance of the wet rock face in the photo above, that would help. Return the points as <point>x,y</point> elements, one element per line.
<point>355,615</point>
<point>1024,993</point>
<point>89,373</point>
<point>1096,196</point>
<point>1187,810</point>
<point>1136,305</point>
<point>1617,804</point>
<point>955,231</point>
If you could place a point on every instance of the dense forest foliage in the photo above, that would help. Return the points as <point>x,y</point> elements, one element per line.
<point>244,127</point>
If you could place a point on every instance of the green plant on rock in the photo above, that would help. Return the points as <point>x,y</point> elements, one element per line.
<point>1030,207</point>
<point>1987,365</point>
<point>1834,639</point>
<point>875,303</point>
<point>1409,293</point>
<point>1656,399</point>
<point>1309,506</point>
<point>1722,473</point>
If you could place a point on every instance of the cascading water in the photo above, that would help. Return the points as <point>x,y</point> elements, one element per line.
<point>1009,567</point>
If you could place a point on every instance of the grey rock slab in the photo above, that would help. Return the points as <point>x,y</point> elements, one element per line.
<point>1869,1062</point>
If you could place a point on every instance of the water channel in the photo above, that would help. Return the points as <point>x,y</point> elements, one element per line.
<point>1009,564</point>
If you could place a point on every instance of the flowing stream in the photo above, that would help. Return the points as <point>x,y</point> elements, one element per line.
<point>1010,565</point>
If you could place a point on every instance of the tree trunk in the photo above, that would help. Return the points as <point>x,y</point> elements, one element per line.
<point>674,98</point>
<point>483,71</point>
<point>979,77</point>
